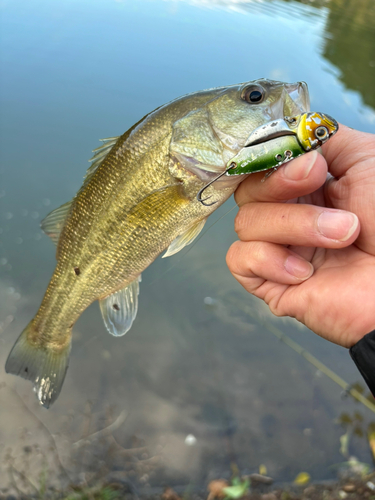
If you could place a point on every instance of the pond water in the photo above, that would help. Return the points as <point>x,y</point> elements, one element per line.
<point>197,385</point>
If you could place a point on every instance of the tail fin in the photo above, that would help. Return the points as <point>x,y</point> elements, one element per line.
<point>45,367</point>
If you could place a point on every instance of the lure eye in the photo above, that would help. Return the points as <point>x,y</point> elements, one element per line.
<point>253,94</point>
<point>321,133</point>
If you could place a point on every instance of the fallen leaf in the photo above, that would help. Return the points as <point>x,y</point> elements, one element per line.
<point>216,488</point>
<point>170,494</point>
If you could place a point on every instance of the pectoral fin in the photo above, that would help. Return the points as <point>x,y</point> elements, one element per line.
<point>185,238</point>
<point>120,309</point>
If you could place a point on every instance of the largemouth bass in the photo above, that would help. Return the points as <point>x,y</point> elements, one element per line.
<point>139,198</point>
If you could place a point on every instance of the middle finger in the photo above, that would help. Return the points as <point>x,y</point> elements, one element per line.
<point>295,224</point>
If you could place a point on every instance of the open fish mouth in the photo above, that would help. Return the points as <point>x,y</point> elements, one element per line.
<point>300,100</point>
<point>294,101</point>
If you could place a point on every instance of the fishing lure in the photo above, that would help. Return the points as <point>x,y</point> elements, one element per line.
<point>277,142</point>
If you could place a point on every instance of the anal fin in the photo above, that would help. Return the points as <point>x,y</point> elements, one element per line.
<point>185,238</point>
<point>120,309</point>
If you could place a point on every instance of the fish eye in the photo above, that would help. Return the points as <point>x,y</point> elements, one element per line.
<point>253,94</point>
<point>321,133</point>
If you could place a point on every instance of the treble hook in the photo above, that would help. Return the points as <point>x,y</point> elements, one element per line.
<point>199,195</point>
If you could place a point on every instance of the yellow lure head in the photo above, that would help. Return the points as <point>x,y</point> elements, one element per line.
<point>314,129</point>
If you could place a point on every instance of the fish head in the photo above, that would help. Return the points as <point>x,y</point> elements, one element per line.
<point>207,137</point>
<point>243,108</point>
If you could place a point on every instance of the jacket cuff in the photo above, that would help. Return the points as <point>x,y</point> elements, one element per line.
<point>363,355</point>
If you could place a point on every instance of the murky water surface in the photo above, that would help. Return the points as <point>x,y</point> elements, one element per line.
<point>193,387</point>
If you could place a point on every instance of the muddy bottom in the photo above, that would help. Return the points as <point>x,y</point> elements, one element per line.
<point>350,489</point>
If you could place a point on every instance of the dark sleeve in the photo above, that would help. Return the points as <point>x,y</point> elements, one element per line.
<point>363,355</point>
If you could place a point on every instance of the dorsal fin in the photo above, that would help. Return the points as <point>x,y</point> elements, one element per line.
<point>99,154</point>
<point>54,222</point>
<point>185,238</point>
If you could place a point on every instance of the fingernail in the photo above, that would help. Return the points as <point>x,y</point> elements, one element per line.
<point>298,170</point>
<point>299,268</point>
<point>337,225</point>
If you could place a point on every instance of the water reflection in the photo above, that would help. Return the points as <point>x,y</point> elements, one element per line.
<point>349,33</point>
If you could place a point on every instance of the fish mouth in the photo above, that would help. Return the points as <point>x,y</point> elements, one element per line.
<point>293,100</point>
<point>296,100</point>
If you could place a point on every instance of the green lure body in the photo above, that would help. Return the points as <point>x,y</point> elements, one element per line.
<point>266,155</point>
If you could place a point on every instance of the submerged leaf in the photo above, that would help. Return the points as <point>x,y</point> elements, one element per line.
<point>238,490</point>
<point>263,470</point>
<point>302,478</point>
<point>345,419</point>
<point>344,444</point>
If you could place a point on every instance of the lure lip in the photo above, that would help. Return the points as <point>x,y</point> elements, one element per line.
<point>272,130</point>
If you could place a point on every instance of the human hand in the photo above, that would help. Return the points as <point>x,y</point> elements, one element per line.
<point>313,258</point>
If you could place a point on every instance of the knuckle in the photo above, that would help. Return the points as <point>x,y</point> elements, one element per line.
<point>233,256</point>
<point>241,221</point>
<point>243,258</point>
<point>259,253</point>
<point>242,194</point>
<point>237,195</point>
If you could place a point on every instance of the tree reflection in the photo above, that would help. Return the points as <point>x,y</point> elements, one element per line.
<point>350,44</point>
